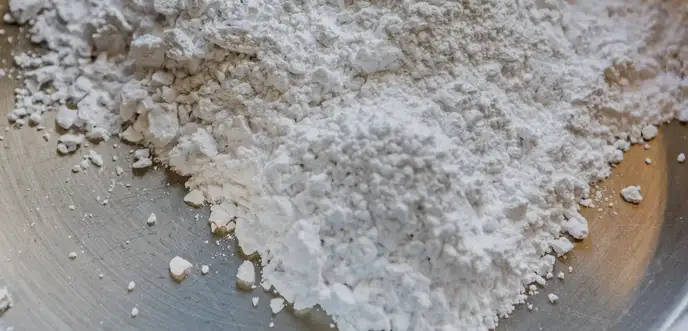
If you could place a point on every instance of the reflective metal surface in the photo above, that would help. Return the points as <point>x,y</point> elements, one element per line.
<point>629,275</point>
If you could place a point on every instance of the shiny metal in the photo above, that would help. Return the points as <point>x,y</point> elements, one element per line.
<point>620,282</point>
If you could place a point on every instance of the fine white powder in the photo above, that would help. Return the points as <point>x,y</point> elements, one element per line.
<point>406,165</point>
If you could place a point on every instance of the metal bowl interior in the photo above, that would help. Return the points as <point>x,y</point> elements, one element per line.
<point>629,275</point>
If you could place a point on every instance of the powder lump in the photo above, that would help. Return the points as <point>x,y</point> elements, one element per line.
<point>561,246</point>
<point>553,298</point>
<point>179,268</point>
<point>194,198</point>
<point>632,194</point>
<point>246,275</point>
<point>152,219</point>
<point>276,305</point>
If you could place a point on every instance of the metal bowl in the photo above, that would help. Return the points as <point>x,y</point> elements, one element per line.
<point>629,275</point>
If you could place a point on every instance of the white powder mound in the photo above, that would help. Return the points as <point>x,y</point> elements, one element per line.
<point>406,165</point>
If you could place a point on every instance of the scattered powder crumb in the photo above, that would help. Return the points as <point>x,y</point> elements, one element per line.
<point>119,171</point>
<point>530,306</point>
<point>46,136</point>
<point>134,312</point>
<point>71,207</point>
<point>72,255</point>
<point>681,158</point>
<point>648,161</point>
<point>552,297</point>
<point>151,219</point>
<point>646,146</point>
<point>246,275</point>
<point>131,286</point>
<point>549,275</point>
<point>76,168</point>
<point>179,268</point>
<point>276,305</point>
<point>632,194</point>
<point>255,301</point>
<point>205,269</point>
<point>272,324</point>
<point>560,275</point>
<point>101,276</point>
<point>570,269</point>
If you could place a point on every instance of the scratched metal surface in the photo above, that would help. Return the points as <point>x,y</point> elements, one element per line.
<point>51,292</point>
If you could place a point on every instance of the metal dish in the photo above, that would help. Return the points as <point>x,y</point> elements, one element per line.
<point>628,276</point>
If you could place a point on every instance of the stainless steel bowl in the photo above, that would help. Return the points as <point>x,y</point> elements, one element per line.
<point>629,275</point>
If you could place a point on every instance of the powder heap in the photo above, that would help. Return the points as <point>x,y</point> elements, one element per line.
<point>406,165</point>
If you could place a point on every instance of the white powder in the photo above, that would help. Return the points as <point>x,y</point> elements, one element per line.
<point>381,157</point>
